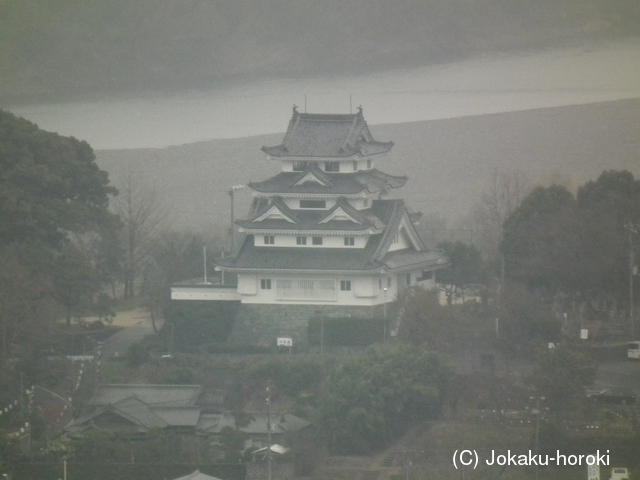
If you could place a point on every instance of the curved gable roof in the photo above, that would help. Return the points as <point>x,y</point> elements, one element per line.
<point>327,135</point>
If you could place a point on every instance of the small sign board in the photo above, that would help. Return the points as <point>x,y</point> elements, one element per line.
<point>584,334</point>
<point>593,471</point>
<point>285,342</point>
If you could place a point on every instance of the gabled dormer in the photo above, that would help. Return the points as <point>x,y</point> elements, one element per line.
<point>313,176</point>
<point>276,210</point>
<point>343,212</point>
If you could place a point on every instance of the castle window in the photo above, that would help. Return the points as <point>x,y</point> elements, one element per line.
<point>265,284</point>
<point>331,166</point>
<point>408,279</point>
<point>355,166</point>
<point>368,163</point>
<point>345,285</point>
<point>366,203</point>
<point>316,240</point>
<point>425,276</point>
<point>313,204</point>
<point>299,166</point>
<point>388,282</point>
<point>301,240</point>
<point>269,240</point>
<point>349,241</point>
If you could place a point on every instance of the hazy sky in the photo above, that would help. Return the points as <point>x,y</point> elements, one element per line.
<point>606,71</point>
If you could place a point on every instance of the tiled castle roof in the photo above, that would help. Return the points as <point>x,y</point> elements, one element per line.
<point>373,257</point>
<point>327,135</point>
<point>371,181</point>
<point>309,220</point>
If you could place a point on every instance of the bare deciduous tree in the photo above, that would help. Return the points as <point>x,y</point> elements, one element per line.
<point>504,193</point>
<point>143,217</point>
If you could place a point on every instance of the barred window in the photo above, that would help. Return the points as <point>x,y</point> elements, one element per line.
<point>313,204</point>
<point>331,166</point>
<point>299,166</point>
<point>305,289</point>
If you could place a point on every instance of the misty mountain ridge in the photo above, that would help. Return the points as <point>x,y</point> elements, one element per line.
<point>69,48</point>
<point>449,162</point>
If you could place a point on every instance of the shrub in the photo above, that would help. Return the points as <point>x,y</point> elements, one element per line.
<point>137,354</point>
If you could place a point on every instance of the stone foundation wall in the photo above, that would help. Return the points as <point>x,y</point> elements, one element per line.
<point>263,324</point>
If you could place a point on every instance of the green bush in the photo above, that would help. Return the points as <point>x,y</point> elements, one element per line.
<point>291,375</point>
<point>200,322</point>
<point>346,331</point>
<point>370,399</point>
<point>137,354</point>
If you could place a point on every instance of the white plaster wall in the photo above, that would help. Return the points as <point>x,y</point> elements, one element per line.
<point>294,204</point>
<point>186,293</point>
<point>247,284</point>
<point>359,284</point>
<point>402,243</point>
<point>328,241</point>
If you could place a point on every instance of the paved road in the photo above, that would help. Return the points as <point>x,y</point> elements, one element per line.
<point>620,373</point>
<point>117,344</point>
<point>623,373</point>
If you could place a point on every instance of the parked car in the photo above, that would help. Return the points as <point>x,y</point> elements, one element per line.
<point>614,395</point>
<point>618,473</point>
<point>633,350</point>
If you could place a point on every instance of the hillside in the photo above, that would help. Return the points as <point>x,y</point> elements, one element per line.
<point>74,47</point>
<point>449,162</point>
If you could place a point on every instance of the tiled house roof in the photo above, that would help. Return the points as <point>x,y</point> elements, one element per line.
<point>280,423</point>
<point>197,475</point>
<point>327,135</point>
<point>135,416</point>
<point>161,395</point>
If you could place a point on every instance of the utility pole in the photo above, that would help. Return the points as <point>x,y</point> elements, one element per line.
<point>204,261</point>
<point>536,411</point>
<point>232,192</point>
<point>632,228</point>
<point>269,432</point>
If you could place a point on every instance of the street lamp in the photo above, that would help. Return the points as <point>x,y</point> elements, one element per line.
<point>232,191</point>
<point>384,313</point>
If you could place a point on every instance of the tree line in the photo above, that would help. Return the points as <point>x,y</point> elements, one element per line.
<point>71,244</point>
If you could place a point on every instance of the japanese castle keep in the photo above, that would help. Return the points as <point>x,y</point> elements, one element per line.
<point>321,236</point>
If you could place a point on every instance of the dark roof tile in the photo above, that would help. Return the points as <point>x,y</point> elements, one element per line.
<point>327,135</point>
<point>372,181</point>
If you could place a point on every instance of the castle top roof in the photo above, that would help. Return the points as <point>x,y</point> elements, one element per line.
<point>327,135</point>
